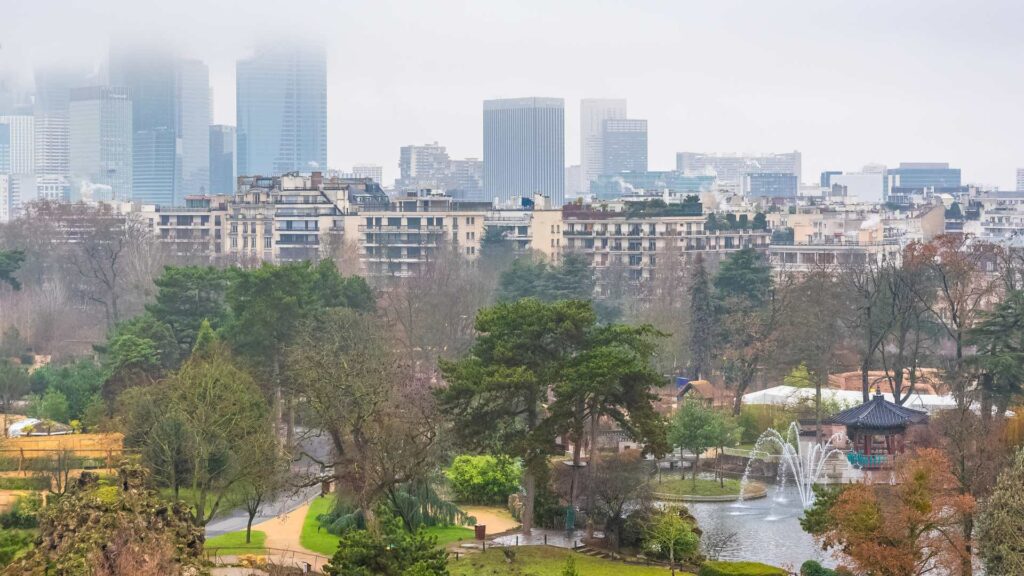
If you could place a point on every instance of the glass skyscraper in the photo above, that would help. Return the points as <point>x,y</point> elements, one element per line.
<point>282,110</point>
<point>170,105</point>
<point>222,159</point>
<point>593,114</point>
<point>101,150</point>
<point>624,146</point>
<point>524,149</point>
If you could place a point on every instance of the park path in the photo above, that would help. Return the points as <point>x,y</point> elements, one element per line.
<point>496,519</point>
<point>283,546</point>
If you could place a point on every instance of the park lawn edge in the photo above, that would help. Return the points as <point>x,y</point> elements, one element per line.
<point>233,543</point>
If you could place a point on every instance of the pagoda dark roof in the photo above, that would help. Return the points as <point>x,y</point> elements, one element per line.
<point>879,413</point>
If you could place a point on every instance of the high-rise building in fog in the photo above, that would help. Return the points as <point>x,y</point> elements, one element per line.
<point>524,149</point>
<point>466,179</point>
<point>731,168</point>
<point>155,174</point>
<point>573,181</point>
<point>170,105</point>
<point>373,171</point>
<point>282,110</point>
<point>1020,179</point>
<point>771,184</point>
<point>624,146</point>
<point>593,113</point>
<point>20,155</point>
<point>223,167</point>
<point>921,175</point>
<point>193,126</point>
<point>422,167</point>
<point>53,97</point>
<point>101,143</point>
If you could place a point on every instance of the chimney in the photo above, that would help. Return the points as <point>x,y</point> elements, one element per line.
<point>317,180</point>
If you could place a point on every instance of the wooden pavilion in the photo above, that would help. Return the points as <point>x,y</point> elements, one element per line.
<point>876,430</point>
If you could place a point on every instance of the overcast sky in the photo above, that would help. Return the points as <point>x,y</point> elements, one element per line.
<point>846,82</point>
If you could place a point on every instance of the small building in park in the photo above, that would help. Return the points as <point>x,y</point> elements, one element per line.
<point>877,430</point>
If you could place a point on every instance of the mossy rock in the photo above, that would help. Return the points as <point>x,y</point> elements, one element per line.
<point>717,568</point>
<point>122,528</point>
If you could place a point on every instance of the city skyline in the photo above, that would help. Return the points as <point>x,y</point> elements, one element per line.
<point>718,101</point>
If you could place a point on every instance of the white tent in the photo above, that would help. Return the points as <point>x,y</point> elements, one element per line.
<point>17,429</point>
<point>791,396</point>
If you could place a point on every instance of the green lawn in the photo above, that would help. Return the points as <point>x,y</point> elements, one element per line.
<point>228,503</point>
<point>448,534</point>
<point>313,537</point>
<point>233,543</point>
<point>704,487</point>
<point>544,561</point>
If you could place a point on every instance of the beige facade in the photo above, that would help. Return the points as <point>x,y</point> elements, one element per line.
<point>401,240</point>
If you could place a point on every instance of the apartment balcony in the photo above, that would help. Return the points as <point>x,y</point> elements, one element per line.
<point>403,229</point>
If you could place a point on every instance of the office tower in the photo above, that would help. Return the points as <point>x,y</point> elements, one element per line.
<point>421,167</point>
<point>282,110</point>
<point>524,149</point>
<point>466,179</point>
<point>150,75</point>
<point>20,154</point>
<point>16,190</point>
<point>920,175</point>
<point>771,185</point>
<point>53,97</point>
<point>593,113</point>
<point>1020,179</point>
<point>193,126</point>
<point>826,177</point>
<point>624,146</point>
<point>573,182</point>
<point>223,166</point>
<point>101,142</point>
<point>5,149</point>
<point>154,173</point>
<point>731,168</point>
<point>170,102</point>
<point>372,171</point>
<point>861,186</point>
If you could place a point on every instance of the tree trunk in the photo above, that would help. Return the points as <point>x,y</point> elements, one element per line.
<point>696,462</point>
<point>289,421</point>
<point>248,528</point>
<point>966,566</point>
<point>530,489</point>
<point>591,470</point>
<point>865,386</point>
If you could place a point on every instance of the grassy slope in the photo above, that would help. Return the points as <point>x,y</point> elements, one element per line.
<point>705,487</point>
<point>324,543</point>
<point>233,543</point>
<point>320,542</point>
<point>545,561</point>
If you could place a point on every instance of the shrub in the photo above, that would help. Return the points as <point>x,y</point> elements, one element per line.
<point>813,568</point>
<point>24,483</point>
<point>24,513</point>
<point>392,552</point>
<point>483,479</point>
<point>739,569</point>
<point>12,542</point>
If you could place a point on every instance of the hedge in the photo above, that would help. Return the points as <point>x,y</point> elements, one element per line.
<point>740,569</point>
<point>24,483</point>
<point>813,568</point>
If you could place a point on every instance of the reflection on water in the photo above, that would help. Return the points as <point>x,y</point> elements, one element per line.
<point>766,530</point>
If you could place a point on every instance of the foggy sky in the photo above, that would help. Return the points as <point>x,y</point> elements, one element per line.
<point>845,82</point>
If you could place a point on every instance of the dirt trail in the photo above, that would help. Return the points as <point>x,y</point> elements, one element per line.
<point>282,543</point>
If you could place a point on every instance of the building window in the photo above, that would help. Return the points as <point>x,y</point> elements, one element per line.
<point>266,242</point>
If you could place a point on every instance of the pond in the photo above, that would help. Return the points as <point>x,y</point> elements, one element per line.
<point>766,530</point>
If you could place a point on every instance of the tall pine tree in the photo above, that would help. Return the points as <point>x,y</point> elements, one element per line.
<point>702,321</point>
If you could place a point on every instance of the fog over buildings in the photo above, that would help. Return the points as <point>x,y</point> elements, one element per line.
<point>846,84</point>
